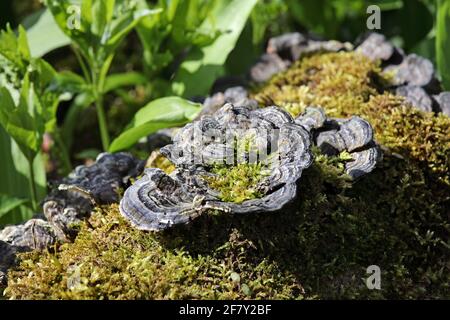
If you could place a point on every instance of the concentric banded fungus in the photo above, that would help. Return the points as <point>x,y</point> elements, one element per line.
<point>443,100</point>
<point>7,259</point>
<point>416,96</point>
<point>66,206</point>
<point>354,135</point>
<point>414,70</point>
<point>312,118</point>
<point>375,46</point>
<point>34,234</point>
<point>267,139</point>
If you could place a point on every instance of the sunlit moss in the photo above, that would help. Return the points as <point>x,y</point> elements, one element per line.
<point>237,183</point>
<point>336,81</point>
<point>111,260</point>
<point>157,160</point>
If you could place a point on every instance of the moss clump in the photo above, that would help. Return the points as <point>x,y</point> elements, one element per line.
<point>347,83</point>
<point>237,183</point>
<point>111,260</point>
<point>157,160</point>
<point>335,81</point>
<point>319,247</point>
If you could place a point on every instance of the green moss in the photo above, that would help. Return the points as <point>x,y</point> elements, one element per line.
<point>335,81</point>
<point>111,260</point>
<point>157,160</point>
<point>318,247</point>
<point>237,183</point>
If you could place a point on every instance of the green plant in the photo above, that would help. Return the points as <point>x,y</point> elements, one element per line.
<point>204,31</point>
<point>9,203</point>
<point>102,26</point>
<point>158,114</point>
<point>27,104</point>
<point>443,41</point>
<point>203,66</point>
<point>177,29</point>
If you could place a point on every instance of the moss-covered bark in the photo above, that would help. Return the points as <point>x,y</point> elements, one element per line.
<point>318,247</point>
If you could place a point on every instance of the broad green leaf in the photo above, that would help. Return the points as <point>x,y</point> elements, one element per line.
<point>15,182</point>
<point>102,13</point>
<point>14,49</point>
<point>158,114</point>
<point>9,203</point>
<point>443,41</point>
<point>44,35</point>
<point>200,69</point>
<point>87,19</point>
<point>65,14</point>
<point>19,124</point>
<point>118,80</point>
<point>121,26</point>
<point>68,81</point>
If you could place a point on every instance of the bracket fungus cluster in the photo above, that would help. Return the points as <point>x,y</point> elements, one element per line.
<point>66,206</point>
<point>267,139</point>
<point>267,142</point>
<point>354,135</point>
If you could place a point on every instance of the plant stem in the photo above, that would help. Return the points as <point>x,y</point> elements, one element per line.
<point>98,82</point>
<point>32,186</point>
<point>102,121</point>
<point>83,65</point>
<point>64,152</point>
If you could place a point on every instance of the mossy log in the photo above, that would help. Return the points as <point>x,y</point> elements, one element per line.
<point>396,217</point>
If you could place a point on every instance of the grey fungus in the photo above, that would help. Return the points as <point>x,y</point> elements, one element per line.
<point>416,96</point>
<point>74,198</point>
<point>376,47</point>
<point>158,201</point>
<point>354,135</point>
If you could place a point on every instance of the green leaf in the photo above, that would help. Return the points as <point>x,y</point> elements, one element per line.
<point>443,41</point>
<point>121,26</point>
<point>15,49</point>
<point>22,44</point>
<point>414,30</point>
<point>102,11</point>
<point>118,80</point>
<point>9,203</point>
<point>68,81</point>
<point>71,121</point>
<point>15,178</point>
<point>318,16</point>
<point>202,66</point>
<point>44,34</point>
<point>86,13</point>
<point>264,15</point>
<point>19,124</point>
<point>158,114</point>
<point>65,17</point>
